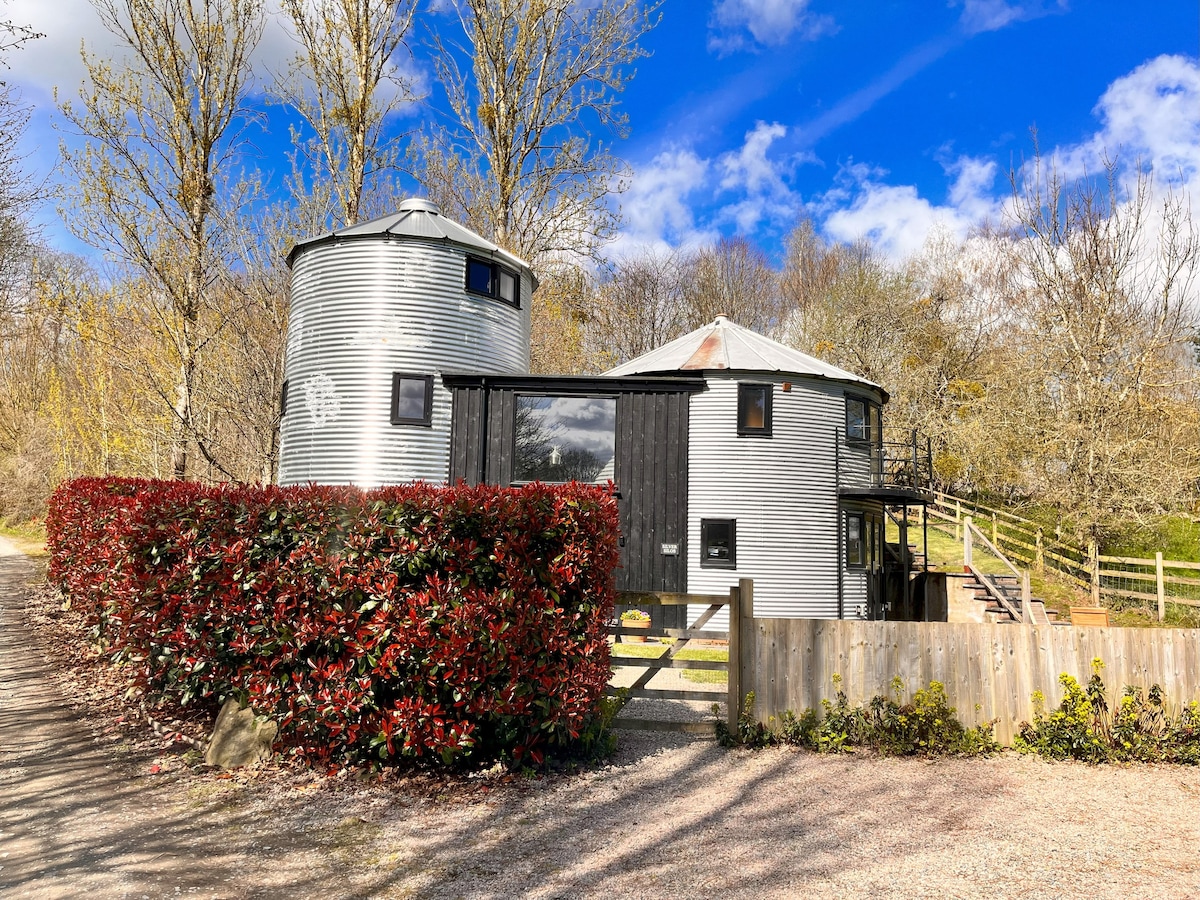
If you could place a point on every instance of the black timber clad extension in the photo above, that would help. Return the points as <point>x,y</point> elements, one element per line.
<point>650,468</point>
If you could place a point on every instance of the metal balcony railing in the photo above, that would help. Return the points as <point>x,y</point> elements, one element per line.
<point>891,465</point>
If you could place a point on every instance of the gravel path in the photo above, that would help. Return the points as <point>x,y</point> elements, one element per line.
<point>669,817</point>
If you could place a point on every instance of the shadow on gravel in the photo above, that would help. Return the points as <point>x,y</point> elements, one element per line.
<point>671,816</point>
<point>76,819</point>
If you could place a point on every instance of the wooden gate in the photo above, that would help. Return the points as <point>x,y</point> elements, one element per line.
<point>739,602</point>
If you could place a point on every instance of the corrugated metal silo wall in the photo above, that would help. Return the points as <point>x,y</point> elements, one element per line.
<point>360,311</point>
<point>782,491</point>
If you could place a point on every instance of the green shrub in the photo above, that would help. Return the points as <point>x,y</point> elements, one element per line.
<point>927,726</point>
<point>1140,729</point>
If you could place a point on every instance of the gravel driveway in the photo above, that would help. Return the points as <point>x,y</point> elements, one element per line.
<point>670,816</point>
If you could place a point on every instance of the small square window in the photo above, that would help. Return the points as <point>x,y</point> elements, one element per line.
<point>856,419</point>
<point>718,543</point>
<point>856,555</point>
<point>412,399</point>
<point>754,409</point>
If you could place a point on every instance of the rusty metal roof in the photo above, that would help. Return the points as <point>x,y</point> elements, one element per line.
<point>724,345</point>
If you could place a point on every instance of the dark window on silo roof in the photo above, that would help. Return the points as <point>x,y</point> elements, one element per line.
<point>493,280</point>
<point>412,399</point>
<point>754,409</point>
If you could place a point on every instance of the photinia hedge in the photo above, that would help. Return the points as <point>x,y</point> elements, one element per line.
<point>452,624</point>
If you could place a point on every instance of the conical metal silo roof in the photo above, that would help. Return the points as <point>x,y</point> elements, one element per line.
<point>415,219</point>
<point>724,345</point>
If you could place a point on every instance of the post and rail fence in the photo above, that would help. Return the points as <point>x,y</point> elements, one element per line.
<point>1156,581</point>
<point>740,603</point>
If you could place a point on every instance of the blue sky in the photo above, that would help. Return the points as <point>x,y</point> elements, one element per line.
<point>879,117</point>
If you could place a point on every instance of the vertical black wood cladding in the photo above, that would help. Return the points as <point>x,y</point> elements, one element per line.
<point>652,479</point>
<point>650,473</point>
<point>466,434</point>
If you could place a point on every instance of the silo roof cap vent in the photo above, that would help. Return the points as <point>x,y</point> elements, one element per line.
<point>419,204</point>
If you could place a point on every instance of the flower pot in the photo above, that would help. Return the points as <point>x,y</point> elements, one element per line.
<point>634,623</point>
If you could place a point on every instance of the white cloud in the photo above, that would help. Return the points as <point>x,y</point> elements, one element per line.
<point>657,207</point>
<point>1149,116</point>
<point>745,187</point>
<point>896,218</point>
<point>751,171</point>
<point>991,15</point>
<point>1147,119</point>
<point>54,61</point>
<point>740,24</point>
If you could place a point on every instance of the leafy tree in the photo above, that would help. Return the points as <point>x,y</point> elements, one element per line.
<point>1108,310</point>
<point>154,181</point>
<point>516,161</point>
<point>345,83</point>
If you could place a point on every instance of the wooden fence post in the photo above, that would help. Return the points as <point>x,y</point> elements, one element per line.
<point>967,541</point>
<point>1039,551</point>
<point>1094,565</point>
<point>733,703</point>
<point>1162,588</point>
<point>1026,598</point>
<point>994,529</point>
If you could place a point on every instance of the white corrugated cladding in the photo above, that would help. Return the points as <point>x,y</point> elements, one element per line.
<point>782,491</point>
<point>361,310</point>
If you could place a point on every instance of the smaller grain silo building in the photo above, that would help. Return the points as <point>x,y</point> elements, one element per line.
<point>785,470</point>
<point>379,311</point>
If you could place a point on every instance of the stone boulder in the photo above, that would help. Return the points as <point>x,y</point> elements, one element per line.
<point>240,738</point>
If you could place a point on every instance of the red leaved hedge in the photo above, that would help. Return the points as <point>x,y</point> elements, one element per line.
<point>452,623</point>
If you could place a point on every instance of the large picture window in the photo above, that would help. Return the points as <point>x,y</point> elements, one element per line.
<point>718,543</point>
<point>563,438</point>
<point>754,409</point>
<point>412,399</point>
<point>493,280</point>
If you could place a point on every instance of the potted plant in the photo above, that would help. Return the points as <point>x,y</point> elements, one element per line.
<point>634,618</point>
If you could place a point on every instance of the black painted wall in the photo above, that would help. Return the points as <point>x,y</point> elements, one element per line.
<point>650,468</point>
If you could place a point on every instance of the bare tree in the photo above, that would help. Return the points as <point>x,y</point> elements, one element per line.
<point>733,278</point>
<point>638,307</point>
<point>154,179</point>
<point>516,161</point>
<point>1110,315</point>
<point>346,82</point>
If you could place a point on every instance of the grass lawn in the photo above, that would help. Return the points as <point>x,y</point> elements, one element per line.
<point>945,552</point>
<point>705,654</point>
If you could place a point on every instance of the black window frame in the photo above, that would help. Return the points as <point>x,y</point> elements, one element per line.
<point>872,422</point>
<point>865,437</point>
<point>743,405</point>
<point>861,519</point>
<point>494,280</point>
<point>705,561</point>
<point>394,404</point>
